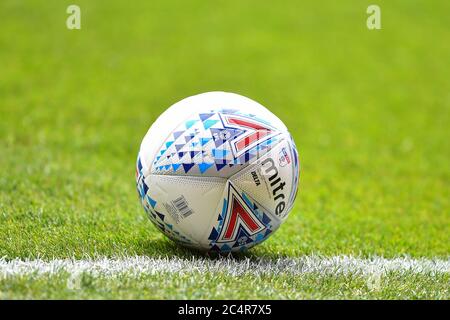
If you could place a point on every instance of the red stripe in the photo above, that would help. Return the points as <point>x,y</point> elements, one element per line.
<point>247,124</point>
<point>242,144</point>
<point>238,211</point>
<point>260,133</point>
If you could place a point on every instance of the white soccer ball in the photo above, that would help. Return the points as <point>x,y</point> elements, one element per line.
<point>217,171</point>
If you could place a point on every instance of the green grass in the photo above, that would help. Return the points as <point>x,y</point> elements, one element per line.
<point>219,286</point>
<point>369,111</point>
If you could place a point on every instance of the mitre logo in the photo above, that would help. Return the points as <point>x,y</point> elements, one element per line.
<point>276,184</point>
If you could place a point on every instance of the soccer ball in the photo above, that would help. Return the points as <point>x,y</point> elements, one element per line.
<point>217,172</point>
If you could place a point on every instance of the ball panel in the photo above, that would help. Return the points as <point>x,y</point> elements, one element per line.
<point>152,207</point>
<point>185,203</point>
<point>240,222</point>
<point>270,180</point>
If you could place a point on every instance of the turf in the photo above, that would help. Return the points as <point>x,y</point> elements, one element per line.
<point>219,286</point>
<point>369,111</point>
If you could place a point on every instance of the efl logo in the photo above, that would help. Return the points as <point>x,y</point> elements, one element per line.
<point>284,158</point>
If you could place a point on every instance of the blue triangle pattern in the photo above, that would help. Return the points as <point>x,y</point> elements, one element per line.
<point>189,138</point>
<point>176,134</point>
<point>242,238</point>
<point>225,247</point>
<point>168,144</point>
<point>209,123</point>
<point>152,202</point>
<point>144,187</point>
<point>219,166</point>
<point>193,153</point>
<point>213,235</point>
<point>204,116</point>
<point>187,167</point>
<point>160,215</point>
<point>265,219</point>
<point>190,123</point>
<point>204,141</point>
<point>259,237</point>
<point>179,146</point>
<point>219,153</point>
<point>204,166</point>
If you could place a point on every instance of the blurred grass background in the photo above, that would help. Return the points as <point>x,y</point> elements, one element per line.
<point>369,111</point>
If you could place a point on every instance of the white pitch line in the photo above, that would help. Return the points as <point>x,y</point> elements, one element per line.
<point>141,265</point>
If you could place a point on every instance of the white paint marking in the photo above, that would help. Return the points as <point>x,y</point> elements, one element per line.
<point>141,265</point>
